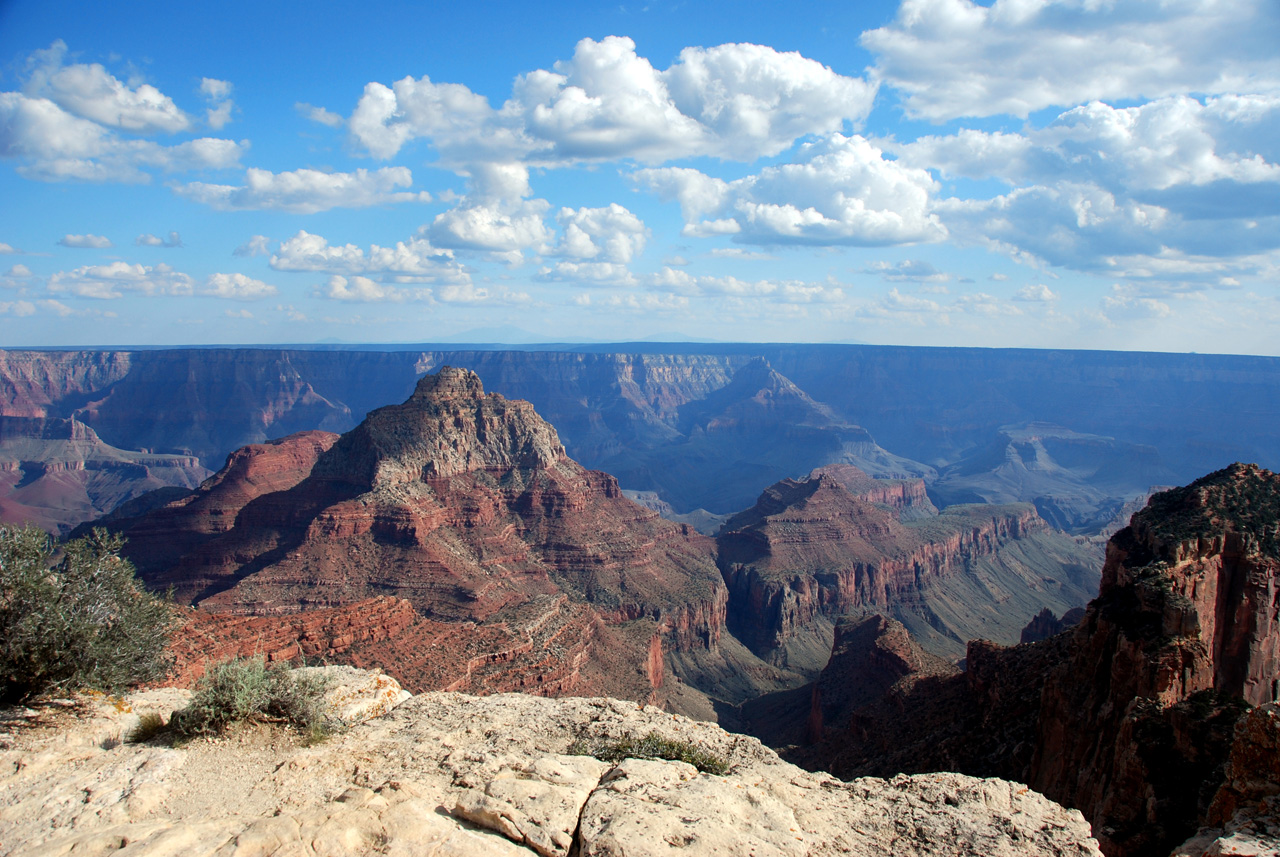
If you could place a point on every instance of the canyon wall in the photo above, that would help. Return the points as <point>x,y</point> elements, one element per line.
<point>633,409</point>
<point>811,550</point>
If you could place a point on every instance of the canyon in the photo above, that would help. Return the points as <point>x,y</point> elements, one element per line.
<point>452,541</point>
<point>995,425</point>
<point>448,538</point>
<point>455,541</point>
<point>1131,715</point>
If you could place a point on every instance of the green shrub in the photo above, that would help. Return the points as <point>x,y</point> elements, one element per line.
<point>248,689</point>
<point>75,621</point>
<point>652,746</point>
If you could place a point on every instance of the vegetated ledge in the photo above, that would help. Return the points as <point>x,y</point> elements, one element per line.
<point>491,776</point>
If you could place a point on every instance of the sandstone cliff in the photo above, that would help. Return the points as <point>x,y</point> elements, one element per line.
<point>477,777</point>
<point>1130,715</point>
<point>524,569</point>
<point>811,549</point>
<point>1138,720</point>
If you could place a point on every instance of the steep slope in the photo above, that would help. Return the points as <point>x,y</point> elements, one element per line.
<point>1137,721</point>
<point>1078,482</point>
<point>56,473</point>
<point>1129,716</point>
<point>755,430</point>
<point>466,506</point>
<point>811,550</point>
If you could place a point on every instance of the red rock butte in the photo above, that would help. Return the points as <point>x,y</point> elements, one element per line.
<point>525,570</point>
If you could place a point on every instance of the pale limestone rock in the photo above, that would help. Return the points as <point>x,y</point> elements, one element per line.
<point>353,695</point>
<point>648,808</point>
<point>538,804</point>
<point>388,786</point>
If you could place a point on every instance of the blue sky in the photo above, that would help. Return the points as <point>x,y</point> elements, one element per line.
<point>1044,173</point>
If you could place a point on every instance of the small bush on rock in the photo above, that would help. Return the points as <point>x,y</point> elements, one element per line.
<point>248,689</point>
<point>652,746</point>
<point>75,621</point>
<point>149,727</point>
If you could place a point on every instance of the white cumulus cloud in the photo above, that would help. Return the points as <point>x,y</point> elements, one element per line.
<point>111,281</point>
<point>954,58</point>
<point>55,145</point>
<point>91,92</point>
<point>608,234</point>
<point>839,190</point>
<point>149,240</point>
<point>737,101</point>
<point>236,287</point>
<point>94,242</point>
<point>218,95</point>
<point>415,259</point>
<point>307,191</point>
<point>258,245</point>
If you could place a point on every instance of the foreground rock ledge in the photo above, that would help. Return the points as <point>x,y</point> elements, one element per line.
<point>449,774</point>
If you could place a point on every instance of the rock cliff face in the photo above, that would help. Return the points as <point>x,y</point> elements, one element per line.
<point>525,570</point>
<point>55,473</point>
<point>811,549</point>
<point>1138,719</point>
<point>999,425</point>
<point>500,776</point>
<point>758,428</point>
<point>1130,715</point>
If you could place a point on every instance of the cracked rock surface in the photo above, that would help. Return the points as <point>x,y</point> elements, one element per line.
<point>449,774</point>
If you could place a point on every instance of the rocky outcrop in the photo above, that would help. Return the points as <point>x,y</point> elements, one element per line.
<point>1244,817</point>
<point>811,548</point>
<point>869,658</point>
<point>1044,624</point>
<point>882,706</point>
<point>1130,715</point>
<point>524,570</point>
<point>454,774</point>
<point>166,532</point>
<point>1137,722</point>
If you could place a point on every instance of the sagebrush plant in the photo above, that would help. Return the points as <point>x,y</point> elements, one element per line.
<point>75,619</point>
<point>250,689</point>
<point>651,746</point>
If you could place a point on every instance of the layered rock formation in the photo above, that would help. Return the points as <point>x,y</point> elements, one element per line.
<point>812,549</point>
<point>55,473</point>
<point>1139,717</point>
<point>755,430</point>
<point>633,412</point>
<point>1077,481</point>
<point>525,569</point>
<point>460,775</point>
<point>1130,715</point>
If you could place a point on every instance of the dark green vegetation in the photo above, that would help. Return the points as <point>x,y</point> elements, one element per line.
<point>651,746</point>
<point>1242,499</point>
<point>249,690</point>
<point>75,618</point>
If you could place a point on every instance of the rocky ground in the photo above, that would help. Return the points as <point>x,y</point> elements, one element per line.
<point>450,774</point>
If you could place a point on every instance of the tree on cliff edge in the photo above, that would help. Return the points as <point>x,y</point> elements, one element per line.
<point>78,620</point>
